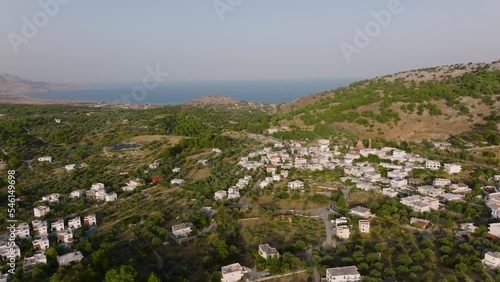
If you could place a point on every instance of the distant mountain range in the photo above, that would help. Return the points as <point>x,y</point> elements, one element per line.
<point>10,84</point>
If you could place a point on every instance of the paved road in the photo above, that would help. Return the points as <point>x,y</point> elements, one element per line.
<point>317,277</point>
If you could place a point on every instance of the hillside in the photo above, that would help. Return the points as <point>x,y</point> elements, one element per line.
<point>431,103</point>
<point>10,84</point>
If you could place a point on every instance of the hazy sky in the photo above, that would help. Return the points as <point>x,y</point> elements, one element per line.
<point>114,41</point>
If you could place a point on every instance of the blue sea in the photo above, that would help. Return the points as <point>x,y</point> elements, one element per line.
<point>281,91</point>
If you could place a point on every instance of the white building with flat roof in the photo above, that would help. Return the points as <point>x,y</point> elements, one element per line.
<point>90,220</point>
<point>40,227</point>
<point>364,226</point>
<point>492,260</point>
<point>432,165</point>
<point>41,244</point>
<point>40,211</point>
<point>51,198</point>
<point>47,159</point>
<point>57,225</point>
<point>30,262</point>
<point>343,274</point>
<point>75,223</point>
<point>23,230</point>
<point>232,273</point>
<point>452,168</point>
<point>69,258</point>
<point>343,232</point>
<point>441,182</point>
<point>182,230</point>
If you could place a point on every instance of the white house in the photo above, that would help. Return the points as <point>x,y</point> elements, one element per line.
<point>51,198</point>
<point>441,182</point>
<point>492,260</point>
<point>69,258</point>
<point>65,236</point>
<point>97,186</point>
<point>389,192</point>
<point>90,220</point>
<point>271,169</point>
<point>361,212</point>
<point>42,243</point>
<point>220,195</point>
<point>429,191</point>
<point>264,183</point>
<point>30,262</point>
<point>420,204</point>
<point>468,227</point>
<point>111,197</point>
<point>40,227</point>
<point>182,230</point>
<point>342,231</point>
<point>343,274</point>
<point>452,168</point>
<point>40,211</point>
<point>340,221</point>
<point>176,170</point>
<point>70,167</point>
<point>77,193</point>
<point>460,188</point>
<point>22,230</point>
<point>232,273</point>
<point>364,226</point>
<point>494,229</point>
<point>267,251</point>
<point>6,251</point>
<point>75,223</point>
<point>177,181</point>
<point>48,159</point>
<point>399,182</point>
<point>432,165</point>
<point>296,185</point>
<point>154,165</point>
<point>234,194</point>
<point>57,225</point>
<point>217,150</point>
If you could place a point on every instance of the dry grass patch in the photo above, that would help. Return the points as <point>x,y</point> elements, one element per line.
<point>173,139</point>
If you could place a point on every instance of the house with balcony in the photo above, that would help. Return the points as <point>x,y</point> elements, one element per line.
<point>75,223</point>
<point>41,244</point>
<point>40,227</point>
<point>90,220</point>
<point>40,211</point>
<point>23,230</point>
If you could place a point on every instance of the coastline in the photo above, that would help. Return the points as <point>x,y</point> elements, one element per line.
<point>19,98</point>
